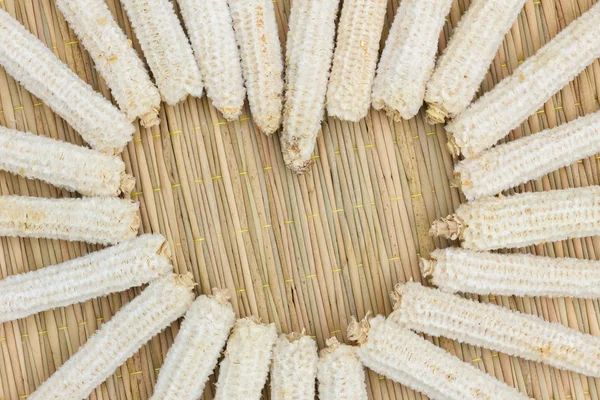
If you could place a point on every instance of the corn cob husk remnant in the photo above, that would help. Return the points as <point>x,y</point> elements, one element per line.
<point>101,220</point>
<point>30,62</point>
<point>340,373</point>
<point>437,313</point>
<point>165,300</point>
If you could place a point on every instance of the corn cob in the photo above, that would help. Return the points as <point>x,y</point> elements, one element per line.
<point>63,164</point>
<point>437,313</point>
<point>30,62</point>
<point>406,358</point>
<point>523,219</point>
<point>196,350</point>
<point>168,51</point>
<point>408,57</point>
<point>355,59</point>
<point>530,157</point>
<point>457,270</point>
<point>165,300</point>
<point>340,373</point>
<point>131,263</point>
<point>209,25</point>
<point>102,220</point>
<point>465,61</point>
<point>517,97</point>
<point>243,372</point>
<point>294,368</point>
<point>256,32</point>
<point>308,60</point>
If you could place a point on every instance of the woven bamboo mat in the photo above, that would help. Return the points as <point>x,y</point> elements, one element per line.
<point>304,252</point>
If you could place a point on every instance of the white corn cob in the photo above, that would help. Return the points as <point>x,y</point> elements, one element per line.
<point>531,157</point>
<point>517,97</point>
<point>464,63</point>
<point>256,32</point>
<point>294,368</point>
<point>167,50</point>
<point>408,57</point>
<point>30,62</point>
<point>165,300</point>
<point>355,59</point>
<point>115,59</point>
<point>308,60</point>
<point>407,358</point>
<point>209,25</point>
<point>194,355</point>
<point>63,164</point>
<point>243,372</point>
<point>340,373</point>
<point>102,220</point>
<point>131,263</point>
<point>437,313</point>
<point>458,270</point>
<point>523,219</point>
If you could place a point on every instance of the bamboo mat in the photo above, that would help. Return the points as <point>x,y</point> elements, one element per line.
<point>304,252</point>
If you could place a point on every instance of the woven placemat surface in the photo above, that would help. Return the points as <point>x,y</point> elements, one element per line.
<point>306,253</point>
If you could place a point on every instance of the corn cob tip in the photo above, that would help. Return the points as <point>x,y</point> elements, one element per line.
<point>294,336</point>
<point>450,227</point>
<point>427,267</point>
<point>164,250</point>
<point>150,119</point>
<point>127,183</point>
<point>294,161</point>
<point>231,113</point>
<point>435,114</point>
<point>452,146</point>
<point>221,295</point>
<point>358,331</point>
<point>136,221</point>
<point>186,280</point>
<point>396,296</point>
<point>393,114</point>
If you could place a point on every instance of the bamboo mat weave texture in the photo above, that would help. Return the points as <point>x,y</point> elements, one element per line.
<point>304,252</point>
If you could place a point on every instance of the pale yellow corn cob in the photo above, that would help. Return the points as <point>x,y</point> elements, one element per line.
<point>355,59</point>
<point>102,220</point>
<point>458,270</point>
<point>131,263</point>
<point>209,25</point>
<point>340,373</point>
<point>243,372</point>
<point>517,97</point>
<point>294,368</point>
<point>194,355</point>
<point>165,300</point>
<point>523,219</point>
<point>31,63</point>
<point>168,51</point>
<point>63,164</point>
<point>437,313</point>
<point>308,60</point>
<point>407,358</point>
<point>465,61</point>
<point>256,32</point>
<point>408,57</point>
<point>531,157</point>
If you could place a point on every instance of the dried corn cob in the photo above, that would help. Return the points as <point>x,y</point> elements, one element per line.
<point>243,372</point>
<point>517,97</point>
<point>165,300</point>
<point>405,357</point>
<point>523,219</point>
<point>465,61</point>
<point>168,51</point>
<point>131,263</point>
<point>102,220</point>
<point>408,57</point>
<point>196,350</point>
<point>209,25</point>
<point>62,164</point>
<point>256,33</point>
<point>115,59</point>
<point>30,62</point>
<point>340,373</point>
<point>355,59</point>
<point>308,60</point>
<point>458,270</point>
<point>294,368</point>
<point>530,157</point>
<point>437,313</point>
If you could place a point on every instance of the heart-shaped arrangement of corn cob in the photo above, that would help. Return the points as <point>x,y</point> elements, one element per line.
<point>234,50</point>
